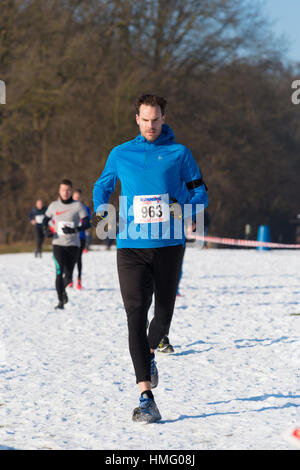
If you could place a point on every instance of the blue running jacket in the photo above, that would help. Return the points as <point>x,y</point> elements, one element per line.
<point>153,175</point>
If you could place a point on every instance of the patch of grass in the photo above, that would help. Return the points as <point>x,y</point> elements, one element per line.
<point>23,247</point>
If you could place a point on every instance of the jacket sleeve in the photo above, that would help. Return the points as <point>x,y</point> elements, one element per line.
<point>106,184</point>
<point>84,225</point>
<point>191,175</point>
<point>48,215</point>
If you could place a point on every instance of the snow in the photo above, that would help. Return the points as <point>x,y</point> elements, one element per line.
<point>66,377</point>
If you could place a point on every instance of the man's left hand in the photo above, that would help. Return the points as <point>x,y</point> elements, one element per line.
<point>69,230</point>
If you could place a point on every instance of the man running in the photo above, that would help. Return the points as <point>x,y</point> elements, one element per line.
<point>36,217</point>
<point>156,174</point>
<point>70,218</point>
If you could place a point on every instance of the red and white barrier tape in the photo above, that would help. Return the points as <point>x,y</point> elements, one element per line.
<point>249,243</point>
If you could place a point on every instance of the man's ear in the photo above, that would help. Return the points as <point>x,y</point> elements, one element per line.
<point>137,118</point>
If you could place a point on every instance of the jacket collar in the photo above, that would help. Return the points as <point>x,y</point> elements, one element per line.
<point>166,135</point>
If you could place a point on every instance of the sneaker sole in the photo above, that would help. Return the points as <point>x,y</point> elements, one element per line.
<point>154,380</point>
<point>143,418</point>
<point>166,350</point>
<point>153,384</point>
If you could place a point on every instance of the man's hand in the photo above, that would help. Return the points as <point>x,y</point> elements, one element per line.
<point>69,230</point>
<point>175,209</point>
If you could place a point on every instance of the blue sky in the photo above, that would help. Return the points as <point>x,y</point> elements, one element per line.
<point>287,16</point>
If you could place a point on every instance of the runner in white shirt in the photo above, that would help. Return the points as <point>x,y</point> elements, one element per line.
<point>69,218</point>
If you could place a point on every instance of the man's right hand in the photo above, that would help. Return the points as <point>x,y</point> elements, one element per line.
<point>175,209</point>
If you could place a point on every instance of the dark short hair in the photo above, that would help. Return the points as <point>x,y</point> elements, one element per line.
<point>66,182</point>
<point>77,191</point>
<point>151,100</point>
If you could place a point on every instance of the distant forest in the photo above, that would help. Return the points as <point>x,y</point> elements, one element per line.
<point>74,68</point>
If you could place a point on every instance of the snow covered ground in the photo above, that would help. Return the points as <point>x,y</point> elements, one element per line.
<point>66,378</point>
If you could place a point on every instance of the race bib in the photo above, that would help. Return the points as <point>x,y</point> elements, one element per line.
<point>62,224</point>
<point>39,218</point>
<point>151,209</point>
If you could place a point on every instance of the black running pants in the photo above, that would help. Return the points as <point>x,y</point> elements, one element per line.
<point>65,258</point>
<point>79,257</point>
<point>142,272</point>
<point>39,238</point>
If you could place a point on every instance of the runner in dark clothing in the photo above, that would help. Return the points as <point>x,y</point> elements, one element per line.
<point>36,217</point>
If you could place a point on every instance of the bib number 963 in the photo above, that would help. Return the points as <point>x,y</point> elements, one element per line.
<point>150,209</point>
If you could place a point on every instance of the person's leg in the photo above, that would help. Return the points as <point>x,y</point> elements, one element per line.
<point>40,239</point>
<point>58,256</point>
<point>166,272</point>
<point>165,346</point>
<point>71,254</point>
<point>134,271</point>
<point>79,262</point>
<point>148,290</point>
<point>88,237</point>
<point>181,271</point>
<point>79,257</point>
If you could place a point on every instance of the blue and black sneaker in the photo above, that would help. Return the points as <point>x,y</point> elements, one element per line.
<point>147,412</point>
<point>154,372</point>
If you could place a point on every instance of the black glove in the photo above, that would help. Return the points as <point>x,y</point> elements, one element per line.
<point>96,218</point>
<point>69,230</point>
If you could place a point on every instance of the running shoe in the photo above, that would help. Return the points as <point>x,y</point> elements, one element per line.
<point>165,346</point>
<point>70,284</point>
<point>154,373</point>
<point>147,412</point>
<point>60,306</point>
<point>78,284</point>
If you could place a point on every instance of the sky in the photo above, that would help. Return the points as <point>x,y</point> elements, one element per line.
<point>286,14</point>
